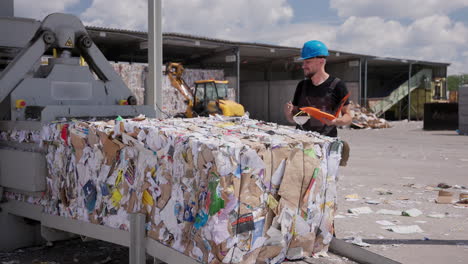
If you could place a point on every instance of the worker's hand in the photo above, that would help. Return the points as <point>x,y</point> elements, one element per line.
<point>288,108</point>
<point>329,122</point>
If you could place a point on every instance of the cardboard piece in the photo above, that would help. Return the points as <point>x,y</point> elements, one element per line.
<point>293,178</point>
<point>269,252</point>
<point>304,241</point>
<point>463,200</point>
<point>444,197</point>
<point>110,148</point>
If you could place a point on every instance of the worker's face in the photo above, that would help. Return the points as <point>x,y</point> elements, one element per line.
<point>312,66</point>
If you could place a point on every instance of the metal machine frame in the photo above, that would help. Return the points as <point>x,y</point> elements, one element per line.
<point>32,95</point>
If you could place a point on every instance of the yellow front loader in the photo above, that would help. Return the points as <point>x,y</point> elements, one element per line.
<point>209,97</point>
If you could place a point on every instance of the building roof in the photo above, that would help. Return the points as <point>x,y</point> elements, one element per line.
<point>130,45</point>
<point>190,48</point>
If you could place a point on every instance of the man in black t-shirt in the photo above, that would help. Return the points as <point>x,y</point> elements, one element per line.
<point>319,90</point>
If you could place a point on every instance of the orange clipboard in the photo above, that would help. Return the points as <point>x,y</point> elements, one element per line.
<point>317,114</point>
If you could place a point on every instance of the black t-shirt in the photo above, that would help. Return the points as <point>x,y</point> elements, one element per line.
<point>306,88</point>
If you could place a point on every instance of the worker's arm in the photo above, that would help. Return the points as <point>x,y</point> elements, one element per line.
<point>289,110</point>
<point>344,120</point>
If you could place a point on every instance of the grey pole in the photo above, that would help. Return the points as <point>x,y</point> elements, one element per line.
<point>268,79</point>
<point>137,238</point>
<point>365,83</point>
<point>409,92</point>
<point>238,74</point>
<point>360,81</point>
<point>446,85</point>
<point>153,93</point>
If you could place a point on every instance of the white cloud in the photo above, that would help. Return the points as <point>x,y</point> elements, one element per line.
<point>126,14</point>
<point>226,18</point>
<point>369,26</point>
<point>433,38</point>
<point>218,18</point>
<point>40,9</point>
<point>396,8</point>
<point>294,35</point>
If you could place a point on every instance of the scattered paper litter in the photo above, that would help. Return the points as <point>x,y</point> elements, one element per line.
<point>375,202</point>
<point>352,197</point>
<point>436,215</point>
<point>405,229</point>
<point>360,210</point>
<point>385,223</point>
<point>411,212</point>
<point>382,191</point>
<point>365,119</point>
<point>388,212</point>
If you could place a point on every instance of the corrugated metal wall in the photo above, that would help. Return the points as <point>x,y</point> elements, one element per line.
<point>348,72</point>
<point>6,8</point>
<point>264,100</point>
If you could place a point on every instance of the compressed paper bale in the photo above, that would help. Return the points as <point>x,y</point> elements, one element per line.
<point>180,174</point>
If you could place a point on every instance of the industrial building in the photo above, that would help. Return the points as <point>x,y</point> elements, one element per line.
<point>265,75</point>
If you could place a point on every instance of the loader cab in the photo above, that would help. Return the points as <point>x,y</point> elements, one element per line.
<point>206,96</point>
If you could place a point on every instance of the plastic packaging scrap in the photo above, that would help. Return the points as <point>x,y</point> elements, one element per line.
<point>239,191</point>
<point>363,118</point>
<point>357,241</point>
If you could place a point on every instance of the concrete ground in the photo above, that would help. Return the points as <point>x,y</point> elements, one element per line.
<point>409,163</point>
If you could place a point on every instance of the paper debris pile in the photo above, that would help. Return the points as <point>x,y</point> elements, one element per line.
<point>363,118</point>
<point>134,75</point>
<point>242,191</point>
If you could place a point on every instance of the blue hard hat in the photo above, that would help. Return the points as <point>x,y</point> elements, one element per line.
<point>313,48</point>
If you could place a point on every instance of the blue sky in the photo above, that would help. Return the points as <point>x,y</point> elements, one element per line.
<point>433,30</point>
<point>316,11</point>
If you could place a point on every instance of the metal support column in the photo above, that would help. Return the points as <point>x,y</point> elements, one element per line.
<point>268,78</point>
<point>365,83</point>
<point>359,99</point>
<point>409,92</point>
<point>444,96</point>
<point>137,239</point>
<point>238,74</point>
<point>153,92</point>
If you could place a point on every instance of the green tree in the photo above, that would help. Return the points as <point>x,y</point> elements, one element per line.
<point>454,81</point>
